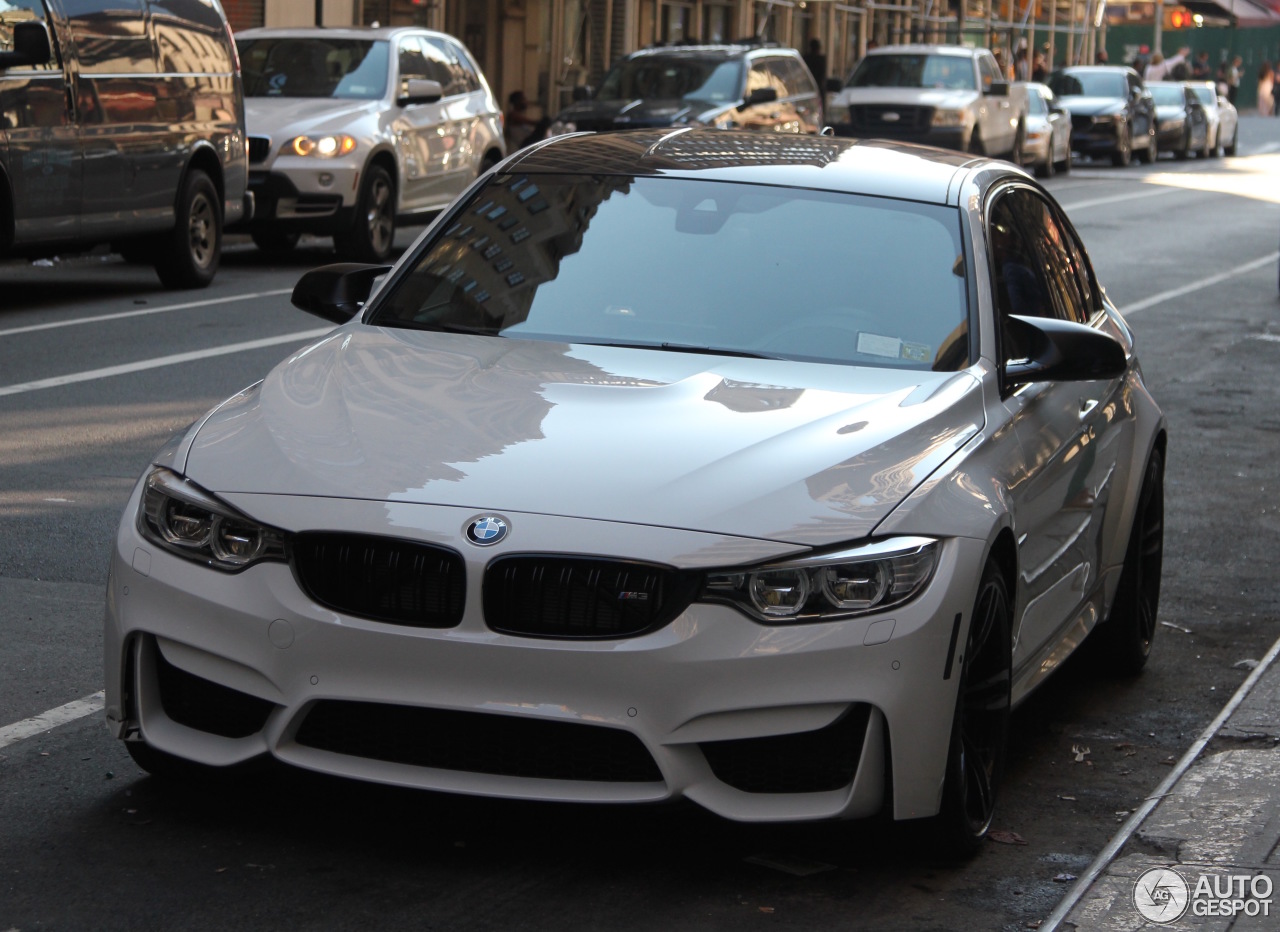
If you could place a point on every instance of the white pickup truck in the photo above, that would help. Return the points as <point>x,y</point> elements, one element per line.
<point>939,95</point>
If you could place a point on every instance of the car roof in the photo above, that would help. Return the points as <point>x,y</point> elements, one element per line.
<point>873,167</point>
<point>919,48</point>
<point>333,32</point>
<point>723,51</point>
<point>1101,69</point>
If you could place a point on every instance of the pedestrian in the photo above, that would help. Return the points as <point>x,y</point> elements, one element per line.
<point>1141,60</point>
<point>1266,82</point>
<point>1021,65</point>
<point>1101,57</point>
<point>1233,79</point>
<point>1039,67</point>
<point>817,62</point>
<point>1200,69</point>
<point>1161,68</point>
<point>519,128</point>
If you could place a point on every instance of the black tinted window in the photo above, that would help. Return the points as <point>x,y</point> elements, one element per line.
<point>657,77</point>
<point>944,71</point>
<point>1088,84</point>
<point>190,37</point>
<point>110,36</point>
<point>461,79</point>
<point>572,259</point>
<point>346,68</point>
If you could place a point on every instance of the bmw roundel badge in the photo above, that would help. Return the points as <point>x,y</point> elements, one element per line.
<point>486,530</point>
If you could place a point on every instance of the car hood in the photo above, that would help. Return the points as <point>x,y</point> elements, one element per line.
<point>272,116</point>
<point>632,113</point>
<point>906,96</point>
<point>789,451</point>
<point>1091,106</point>
<point>1171,113</point>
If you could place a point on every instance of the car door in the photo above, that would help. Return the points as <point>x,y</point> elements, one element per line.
<point>1072,432</point>
<point>1142,109</point>
<point>38,130</point>
<point>461,114</point>
<point>994,112</point>
<point>424,139</point>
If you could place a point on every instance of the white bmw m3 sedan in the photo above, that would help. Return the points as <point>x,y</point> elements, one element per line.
<point>766,472</point>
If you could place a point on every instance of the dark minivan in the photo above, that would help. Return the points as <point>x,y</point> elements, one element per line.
<point>121,122</point>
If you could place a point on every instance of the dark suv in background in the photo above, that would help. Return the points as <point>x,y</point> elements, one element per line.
<point>121,122</point>
<point>744,86</point>
<point>1112,113</point>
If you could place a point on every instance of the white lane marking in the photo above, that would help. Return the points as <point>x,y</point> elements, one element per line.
<point>1197,285</point>
<point>121,315</point>
<point>1269,337</point>
<point>160,361</point>
<point>1117,198</point>
<point>45,721</point>
<point>1266,148</point>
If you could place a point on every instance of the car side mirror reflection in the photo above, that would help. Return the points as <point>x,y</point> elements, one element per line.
<point>1045,349</point>
<point>419,91</point>
<point>336,292</point>
<point>998,89</point>
<point>30,46</point>
<point>761,95</point>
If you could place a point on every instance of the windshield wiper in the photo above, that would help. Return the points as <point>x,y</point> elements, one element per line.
<point>685,348</point>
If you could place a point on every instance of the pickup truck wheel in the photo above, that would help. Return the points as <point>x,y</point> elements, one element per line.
<point>1017,154</point>
<point>189,256</point>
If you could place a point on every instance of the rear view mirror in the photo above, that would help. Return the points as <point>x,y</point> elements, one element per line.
<point>336,292</point>
<point>30,46</point>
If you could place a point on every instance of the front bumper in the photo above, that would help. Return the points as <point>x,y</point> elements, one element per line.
<point>312,201</point>
<point>713,707</point>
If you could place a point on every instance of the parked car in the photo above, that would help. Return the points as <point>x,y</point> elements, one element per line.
<point>1181,123</point>
<point>353,130</point>
<point>941,95</point>
<point>1048,145</point>
<point>121,124</point>
<point>1224,121</point>
<point>744,86</point>
<point>556,514</point>
<point>1112,113</point>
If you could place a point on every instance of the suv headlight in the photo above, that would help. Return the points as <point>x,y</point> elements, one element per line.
<point>184,519</point>
<point>320,147</point>
<point>561,127</point>
<point>833,586</point>
<point>949,118</point>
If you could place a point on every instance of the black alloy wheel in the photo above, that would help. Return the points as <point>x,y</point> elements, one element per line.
<point>980,727</point>
<point>373,235</point>
<point>1124,639</point>
<point>189,256</point>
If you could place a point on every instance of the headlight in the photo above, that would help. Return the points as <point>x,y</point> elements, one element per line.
<point>559,128</point>
<point>320,147</point>
<point>870,578</point>
<point>184,519</point>
<point>949,118</point>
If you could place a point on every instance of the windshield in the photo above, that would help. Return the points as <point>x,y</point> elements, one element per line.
<point>671,78</point>
<point>1168,95</point>
<point>946,71</point>
<point>696,266</point>
<point>320,67</point>
<point>1088,84</point>
<point>1206,95</point>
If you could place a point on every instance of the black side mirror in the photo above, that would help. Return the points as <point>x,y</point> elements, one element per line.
<point>998,89</point>
<point>336,292</point>
<point>419,91</point>
<point>583,92</point>
<point>1053,350</point>
<point>761,95</point>
<point>30,46</point>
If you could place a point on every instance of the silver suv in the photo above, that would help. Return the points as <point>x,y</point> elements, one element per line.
<point>351,129</point>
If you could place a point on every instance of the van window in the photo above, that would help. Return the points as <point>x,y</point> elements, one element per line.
<point>190,37</point>
<point>110,37</point>
<point>20,11</point>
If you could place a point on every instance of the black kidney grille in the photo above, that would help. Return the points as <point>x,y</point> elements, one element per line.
<point>808,762</point>
<point>478,742</point>
<point>259,148</point>
<point>579,597</point>
<point>382,578</point>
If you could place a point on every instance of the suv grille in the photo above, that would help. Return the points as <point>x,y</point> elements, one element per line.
<point>478,742</point>
<point>259,148</point>
<point>871,118</point>
<point>808,762</point>
<point>382,578</point>
<point>578,597</point>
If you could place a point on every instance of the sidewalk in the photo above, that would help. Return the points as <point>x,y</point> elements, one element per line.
<point>1215,821</point>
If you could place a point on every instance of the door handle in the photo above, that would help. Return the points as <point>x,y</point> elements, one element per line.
<point>1086,407</point>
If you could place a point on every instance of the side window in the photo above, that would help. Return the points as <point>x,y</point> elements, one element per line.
<point>759,76</point>
<point>988,71</point>
<point>462,80</point>
<point>794,78</point>
<point>21,11</point>
<point>413,63</point>
<point>190,37</point>
<point>110,37</point>
<point>1018,276</point>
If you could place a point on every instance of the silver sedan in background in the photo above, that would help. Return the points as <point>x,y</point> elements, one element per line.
<point>1224,120</point>
<point>1048,145</point>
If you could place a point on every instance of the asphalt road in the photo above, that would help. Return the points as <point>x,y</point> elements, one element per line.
<point>87,842</point>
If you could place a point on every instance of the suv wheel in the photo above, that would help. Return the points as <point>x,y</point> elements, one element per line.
<point>189,256</point>
<point>1124,148</point>
<point>373,235</point>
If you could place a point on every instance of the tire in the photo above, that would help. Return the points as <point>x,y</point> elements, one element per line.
<point>1065,165</point>
<point>275,242</point>
<point>373,235</point>
<point>980,725</point>
<point>189,256</point>
<point>1123,154</point>
<point>490,159</point>
<point>1235,139</point>
<point>1181,154</point>
<point>1151,152</point>
<point>1046,169</point>
<point>1124,639</point>
<point>975,143</point>
<point>1208,150</point>
<point>1017,153</point>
